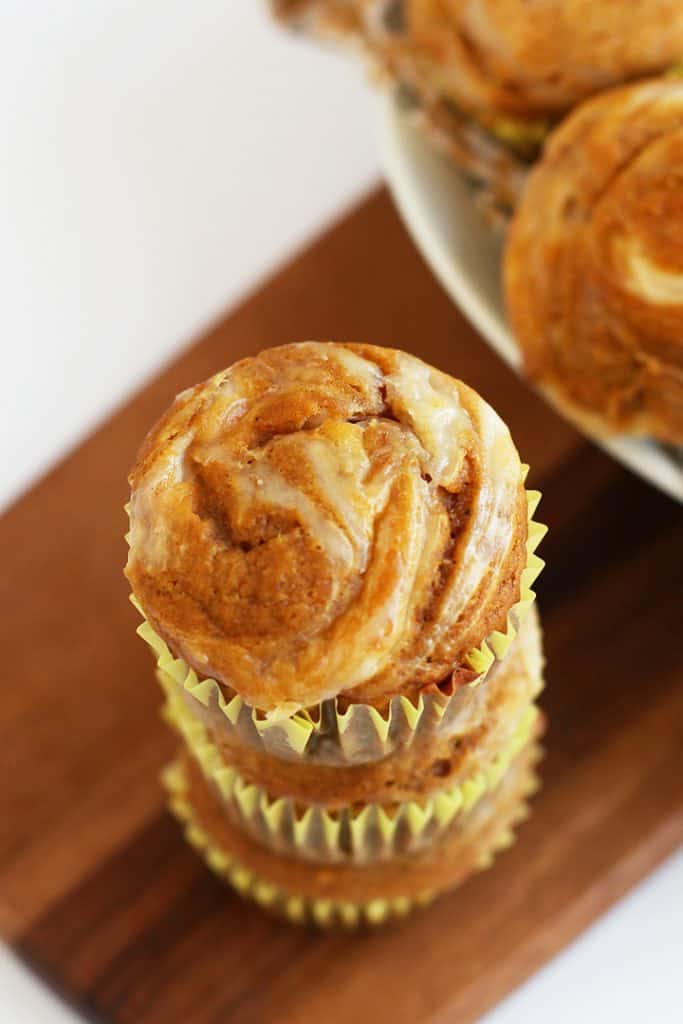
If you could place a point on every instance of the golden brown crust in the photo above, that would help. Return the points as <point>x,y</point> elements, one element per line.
<point>527,60</point>
<point>324,520</point>
<point>487,79</point>
<point>441,866</point>
<point>594,262</point>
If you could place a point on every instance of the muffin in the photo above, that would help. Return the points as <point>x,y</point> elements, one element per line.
<point>347,895</point>
<point>488,78</point>
<point>594,263</point>
<point>332,547</point>
<point>373,811</point>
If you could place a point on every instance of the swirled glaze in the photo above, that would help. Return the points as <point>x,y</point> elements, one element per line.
<point>513,57</point>
<point>326,519</point>
<point>594,262</point>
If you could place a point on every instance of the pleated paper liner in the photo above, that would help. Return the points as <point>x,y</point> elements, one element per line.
<point>416,771</point>
<point>346,897</point>
<point>359,733</point>
<point>355,834</point>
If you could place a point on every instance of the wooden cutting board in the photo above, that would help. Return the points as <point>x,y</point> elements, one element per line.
<point>98,891</point>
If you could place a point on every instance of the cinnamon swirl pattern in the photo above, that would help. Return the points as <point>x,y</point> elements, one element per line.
<point>328,520</point>
<point>332,547</point>
<point>594,263</point>
<point>521,60</point>
<point>487,79</point>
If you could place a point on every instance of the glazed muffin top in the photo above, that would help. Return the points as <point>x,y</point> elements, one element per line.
<point>528,59</point>
<point>326,520</point>
<point>594,262</point>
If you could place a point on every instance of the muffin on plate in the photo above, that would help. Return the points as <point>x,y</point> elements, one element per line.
<point>594,263</point>
<point>332,547</point>
<point>489,78</point>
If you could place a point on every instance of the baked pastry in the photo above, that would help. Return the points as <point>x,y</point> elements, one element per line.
<point>325,521</point>
<point>509,59</point>
<point>488,78</point>
<point>334,542</point>
<point>480,722</point>
<point>366,813</point>
<point>594,263</point>
<point>348,895</point>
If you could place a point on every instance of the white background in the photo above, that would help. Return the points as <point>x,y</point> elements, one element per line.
<point>157,159</point>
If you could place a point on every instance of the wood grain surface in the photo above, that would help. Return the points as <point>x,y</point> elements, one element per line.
<point>97,889</point>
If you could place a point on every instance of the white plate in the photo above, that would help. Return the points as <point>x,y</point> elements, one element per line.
<point>436,204</point>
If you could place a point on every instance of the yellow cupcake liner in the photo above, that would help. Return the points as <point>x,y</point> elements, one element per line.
<point>358,834</point>
<point>297,909</point>
<point>360,733</point>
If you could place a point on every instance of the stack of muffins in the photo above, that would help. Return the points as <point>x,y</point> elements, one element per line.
<point>332,548</point>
